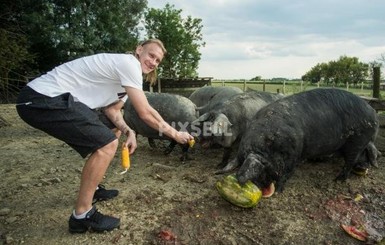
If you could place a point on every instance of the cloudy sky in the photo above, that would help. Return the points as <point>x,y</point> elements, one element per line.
<point>282,38</point>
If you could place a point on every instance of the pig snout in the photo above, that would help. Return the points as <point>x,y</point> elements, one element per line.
<point>251,169</point>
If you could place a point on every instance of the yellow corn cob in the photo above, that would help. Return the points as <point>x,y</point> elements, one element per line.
<point>125,159</point>
<point>191,143</point>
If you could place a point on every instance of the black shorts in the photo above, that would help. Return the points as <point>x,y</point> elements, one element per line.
<point>83,129</point>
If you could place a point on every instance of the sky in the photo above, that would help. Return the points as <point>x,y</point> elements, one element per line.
<point>282,38</point>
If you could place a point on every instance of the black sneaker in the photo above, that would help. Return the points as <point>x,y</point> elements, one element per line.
<point>94,221</point>
<point>101,194</point>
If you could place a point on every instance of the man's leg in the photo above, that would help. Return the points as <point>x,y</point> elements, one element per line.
<point>92,174</point>
<point>101,193</point>
<point>86,216</point>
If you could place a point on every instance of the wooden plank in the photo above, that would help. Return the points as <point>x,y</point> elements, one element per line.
<point>377,104</point>
<point>182,82</point>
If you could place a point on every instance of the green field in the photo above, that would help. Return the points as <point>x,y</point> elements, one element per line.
<point>290,87</point>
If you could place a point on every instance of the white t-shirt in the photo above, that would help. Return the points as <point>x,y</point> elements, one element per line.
<point>94,80</point>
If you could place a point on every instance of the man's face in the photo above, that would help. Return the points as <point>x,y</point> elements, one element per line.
<point>150,55</point>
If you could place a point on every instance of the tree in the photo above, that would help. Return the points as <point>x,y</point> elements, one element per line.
<point>257,78</point>
<point>344,70</point>
<point>36,35</point>
<point>14,55</point>
<point>382,58</point>
<point>61,30</point>
<point>377,63</point>
<point>181,37</point>
<point>315,74</point>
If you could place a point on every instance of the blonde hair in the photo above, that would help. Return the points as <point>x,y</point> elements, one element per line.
<point>152,76</point>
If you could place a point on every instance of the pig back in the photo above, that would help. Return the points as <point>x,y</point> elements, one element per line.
<point>319,121</point>
<point>206,98</point>
<point>176,110</point>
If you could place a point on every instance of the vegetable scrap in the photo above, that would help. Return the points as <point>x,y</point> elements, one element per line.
<point>357,233</point>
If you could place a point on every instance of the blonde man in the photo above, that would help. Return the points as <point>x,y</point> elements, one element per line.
<point>80,103</point>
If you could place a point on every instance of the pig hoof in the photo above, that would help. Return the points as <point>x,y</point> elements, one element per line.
<point>219,172</point>
<point>223,170</point>
<point>186,158</point>
<point>229,167</point>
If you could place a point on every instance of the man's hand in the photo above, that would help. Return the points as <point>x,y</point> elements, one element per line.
<point>183,137</point>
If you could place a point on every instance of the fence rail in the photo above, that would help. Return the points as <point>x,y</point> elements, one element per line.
<point>178,83</point>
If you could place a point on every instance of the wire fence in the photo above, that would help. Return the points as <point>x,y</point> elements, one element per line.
<point>11,82</point>
<point>10,89</point>
<point>290,87</point>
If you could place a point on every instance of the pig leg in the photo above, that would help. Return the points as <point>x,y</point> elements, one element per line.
<point>352,151</point>
<point>151,142</point>
<point>185,153</point>
<point>233,164</point>
<point>368,157</point>
<point>170,147</point>
<point>226,156</point>
<point>185,150</point>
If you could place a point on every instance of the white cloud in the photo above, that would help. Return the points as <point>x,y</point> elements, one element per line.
<point>246,38</point>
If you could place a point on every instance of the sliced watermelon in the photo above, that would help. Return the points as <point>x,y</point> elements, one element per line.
<point>359,234</point>
<point>268,191</point>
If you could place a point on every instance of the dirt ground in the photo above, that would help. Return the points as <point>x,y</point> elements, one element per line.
<point>165,201</point>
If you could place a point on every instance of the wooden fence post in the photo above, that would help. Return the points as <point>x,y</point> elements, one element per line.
<point>376,82</point>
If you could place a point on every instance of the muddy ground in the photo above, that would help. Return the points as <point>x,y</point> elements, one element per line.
<point>165,201</point>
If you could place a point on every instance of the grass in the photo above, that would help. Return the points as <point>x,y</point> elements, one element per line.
<point>290,88</point>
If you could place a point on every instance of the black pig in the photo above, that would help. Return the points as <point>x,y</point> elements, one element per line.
<point>206,98</point>
<point>305,125</point>
<point>226,124</point>
<point>176,110</point>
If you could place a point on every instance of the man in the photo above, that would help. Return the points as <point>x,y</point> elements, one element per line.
<point>65,103</point>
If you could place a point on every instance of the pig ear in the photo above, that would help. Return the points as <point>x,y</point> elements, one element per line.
<point>204,117</point>
<point>200,119</point>
<point>221,125</point>
<point>373,154</point>
<point>222,120</point>
<point>251,169</point>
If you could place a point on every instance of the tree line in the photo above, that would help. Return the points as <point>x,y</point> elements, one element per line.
<point>37,35</point>
<point>345,70</point>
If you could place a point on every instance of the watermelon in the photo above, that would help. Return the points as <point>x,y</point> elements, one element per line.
<point>245,196</point>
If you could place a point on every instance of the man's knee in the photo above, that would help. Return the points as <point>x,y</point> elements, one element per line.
<point>110,148</point>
